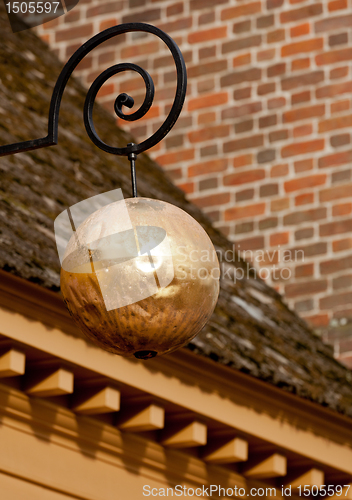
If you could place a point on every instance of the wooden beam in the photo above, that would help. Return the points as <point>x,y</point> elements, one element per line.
<point>312,477</point>
<point>193,434</point>
<point>56,384</point>
<point>12,363</point>
<point>273,466</point>
<point>106,400</point>
<point>235,450</point>
<point>148,419</point>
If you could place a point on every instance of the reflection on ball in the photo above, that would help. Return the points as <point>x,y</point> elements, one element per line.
<point>142,281</point>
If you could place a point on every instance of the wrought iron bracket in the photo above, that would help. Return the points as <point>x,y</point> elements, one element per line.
<point>131,150</point>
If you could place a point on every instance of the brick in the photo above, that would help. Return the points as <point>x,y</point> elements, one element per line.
<point>176,157</point>
<point>311,45</point>
<point>212,200</point>
<point>205,4</point>
<point>333,23</point>
<point>279,205</point>
<point>64,35</point>
<point>148,15</point>
<point>208,133</point>
<point>246,227</point>
<point>342,245</point>
<point>300,148</point>
<point>307,288</point>
<point>302,306</point>
<point>268,190</point>
<point>303,234</point>
<point>311,250</point>
<point>254,243</point>
<point>293,82</point>
<point>267,121</point>
<point>335,265</point>
<point>337,5</point>
<point>277,239</point>
<point>335,123</point>
<point>333,90</point>
<point>206,18</point>
<point>248,75</point>
<point>268,223</point>
<point>239,94</point>
<point>340,140</point>
<point>187,187</point>
<point>180,24</point>
<point>209,100</point>
<point>342,282</point>
<point>243,110</point>
<point>266,55</point>
<point>247,9</point>
<point>241,43</point>
<point>207,117</point>
<point>206,52</point>
<point>244,177</point>
<point>242,160</point>
<point>337,107</point>
<point>305,216</point>
<point>206,86</point>
<point>300,97</point>
<point>339,39</point>
<point>304,113</point>
<point>236,213</point>
<point>275,36</point>
<point>279,171</point>
<point>207,35</point>
<point>207,167</point>
<point>302,13</point>
<point>278,135</point>
<point>266,156</point>
<point>318,320</point>
<point>342,209</point>
<point>209,68</point>
<point>244,195</point>
<point>266,88</point>
<point>342,176</point>
<point>209,150</point>
<point>304,199</point>
<point>277,102</point>
<point>274,4</point>
<point>334,56</point>
<point>241,60</point>
<point>299,64</point>
<point>303,130</point>
<point>338,227</point>
<point>300,30</point>
<point>335,159</point>
<point>276,70</point>
<point>335,300</point>
<point>339,72</point>
<point>303,165</point>
<point>174,9</point>
<point>244,126</point>
<point>205,184</point>
<point>265,21</point>
<point>104,8</point>
<point>241,27</point>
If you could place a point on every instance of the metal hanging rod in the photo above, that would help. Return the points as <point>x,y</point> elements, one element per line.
<point>131,150</point>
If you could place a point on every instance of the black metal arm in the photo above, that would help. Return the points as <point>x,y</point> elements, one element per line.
<point>131,150</point>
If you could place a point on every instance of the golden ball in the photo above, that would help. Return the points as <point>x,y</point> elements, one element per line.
<point>140,277</point>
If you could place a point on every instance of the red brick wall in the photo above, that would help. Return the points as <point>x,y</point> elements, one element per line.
<point>263,144</point>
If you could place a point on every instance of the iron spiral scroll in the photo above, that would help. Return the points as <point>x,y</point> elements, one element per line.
<point>131,150</point>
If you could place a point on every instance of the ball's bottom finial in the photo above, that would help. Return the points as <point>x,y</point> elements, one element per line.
<point>145,354</point>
